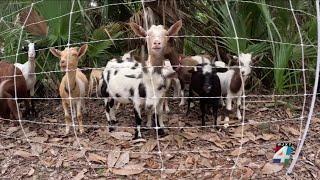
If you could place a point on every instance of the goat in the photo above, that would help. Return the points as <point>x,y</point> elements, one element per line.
<point>205,83</point>
<point>183,65</point>
<point>171,80</point>
<point>74,83</point>
<point>138,83</point>
<point>28,71</point>
<point>95,76</point>
<point>232,83</point>
<point>11,80</point>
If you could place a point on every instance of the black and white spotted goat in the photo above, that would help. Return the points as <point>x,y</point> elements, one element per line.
<point>143,84</point>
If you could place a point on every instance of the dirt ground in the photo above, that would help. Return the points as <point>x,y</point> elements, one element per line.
<point>188,151</point>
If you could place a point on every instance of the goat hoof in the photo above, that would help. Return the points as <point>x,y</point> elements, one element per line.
<point>161,132</point>
<point>113,122</point>
<point>192,105</point>
<point>226,125</point>
<point>81,130</point>
<point>137,135</point>
<point>181,104</point>
<point>111,129</point>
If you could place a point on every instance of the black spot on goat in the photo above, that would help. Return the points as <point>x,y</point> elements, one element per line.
<point>142,90</point>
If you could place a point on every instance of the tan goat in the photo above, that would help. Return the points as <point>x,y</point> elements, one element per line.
<point>95,76</point>
<point>73,84</point>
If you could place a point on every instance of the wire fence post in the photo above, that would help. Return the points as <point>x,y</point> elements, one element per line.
<point>296,155</point>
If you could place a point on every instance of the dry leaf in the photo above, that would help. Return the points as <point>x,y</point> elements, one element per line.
<point>267,137</point>
<point>289,113</point>
<point>36,149</point>
<point>315,120</point>
<point>113,157</point>
<point>217,177</point>
<point>248,173</point>
<point>74,156</point>
<point>125,136</point>
<point>129,170</point>
<point>31,134</point>
<point>49,132</point>
<point>292,130</point>
<point>205,162</point>
<point>11,130</point>
<point>31,172</point>
<point>80,175</point>
<point>237,152</point>
<point>214,138</point>
<point>123,160</point>
<point>55,139</point>
<point>205,154</point>
<point>251,136</point>
<point>189,135</point>
<point>270,168</point>
<point>96,158</point>
<point>147,147</point>
<point>50,120</point>
<point>59,162</point>
<point>150,163</point>
<point>179,140</point>
<point>39,139</point>
<point>23,154</point>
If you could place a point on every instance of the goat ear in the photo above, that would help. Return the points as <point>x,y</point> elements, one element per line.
<point>256,59</point>
<point>55,52</point>
<point>175,28</point>
<point>82,50</point>
<point>138,30</point>
<point>172,75</point>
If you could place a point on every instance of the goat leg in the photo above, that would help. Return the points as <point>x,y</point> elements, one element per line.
<point>159,125</point>
<point>182,85</point>
<point>138,119</point>
<point>66,116</point>
<point>239,116</point>
<point>109,110</point>
<point>203,111</point>
<point>215,107</point>
<point>79,116</point>
<point>13,108</point>
<point>189,100</point>
<point>228,110</point>
<point>28,110</point>
<point>33,109</point>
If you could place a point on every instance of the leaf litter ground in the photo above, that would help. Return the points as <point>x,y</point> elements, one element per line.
<point>187,150</point>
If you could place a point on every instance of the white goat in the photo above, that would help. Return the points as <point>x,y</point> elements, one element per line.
<point>28,70</point>
<point>232,83</point>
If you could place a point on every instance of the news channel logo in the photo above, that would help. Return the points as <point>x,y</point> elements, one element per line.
<point>283,153</point>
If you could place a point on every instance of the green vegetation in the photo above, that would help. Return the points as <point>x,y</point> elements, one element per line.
<point>264,30</point>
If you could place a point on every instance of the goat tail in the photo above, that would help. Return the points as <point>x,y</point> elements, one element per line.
<point>2,85</point>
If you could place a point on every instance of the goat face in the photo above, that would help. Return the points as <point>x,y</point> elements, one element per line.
<point>157,37</point>
<point>69,57</point>
<point>31,50</point>
<point>245,61</point>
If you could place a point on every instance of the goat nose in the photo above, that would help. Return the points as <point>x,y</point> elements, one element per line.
<point>156,42</point>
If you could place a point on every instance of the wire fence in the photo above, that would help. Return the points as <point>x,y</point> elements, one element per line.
<point>300,119</point>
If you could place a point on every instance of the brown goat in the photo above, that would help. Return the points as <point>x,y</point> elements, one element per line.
<point>74,83</point>
<point>8,107</point>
